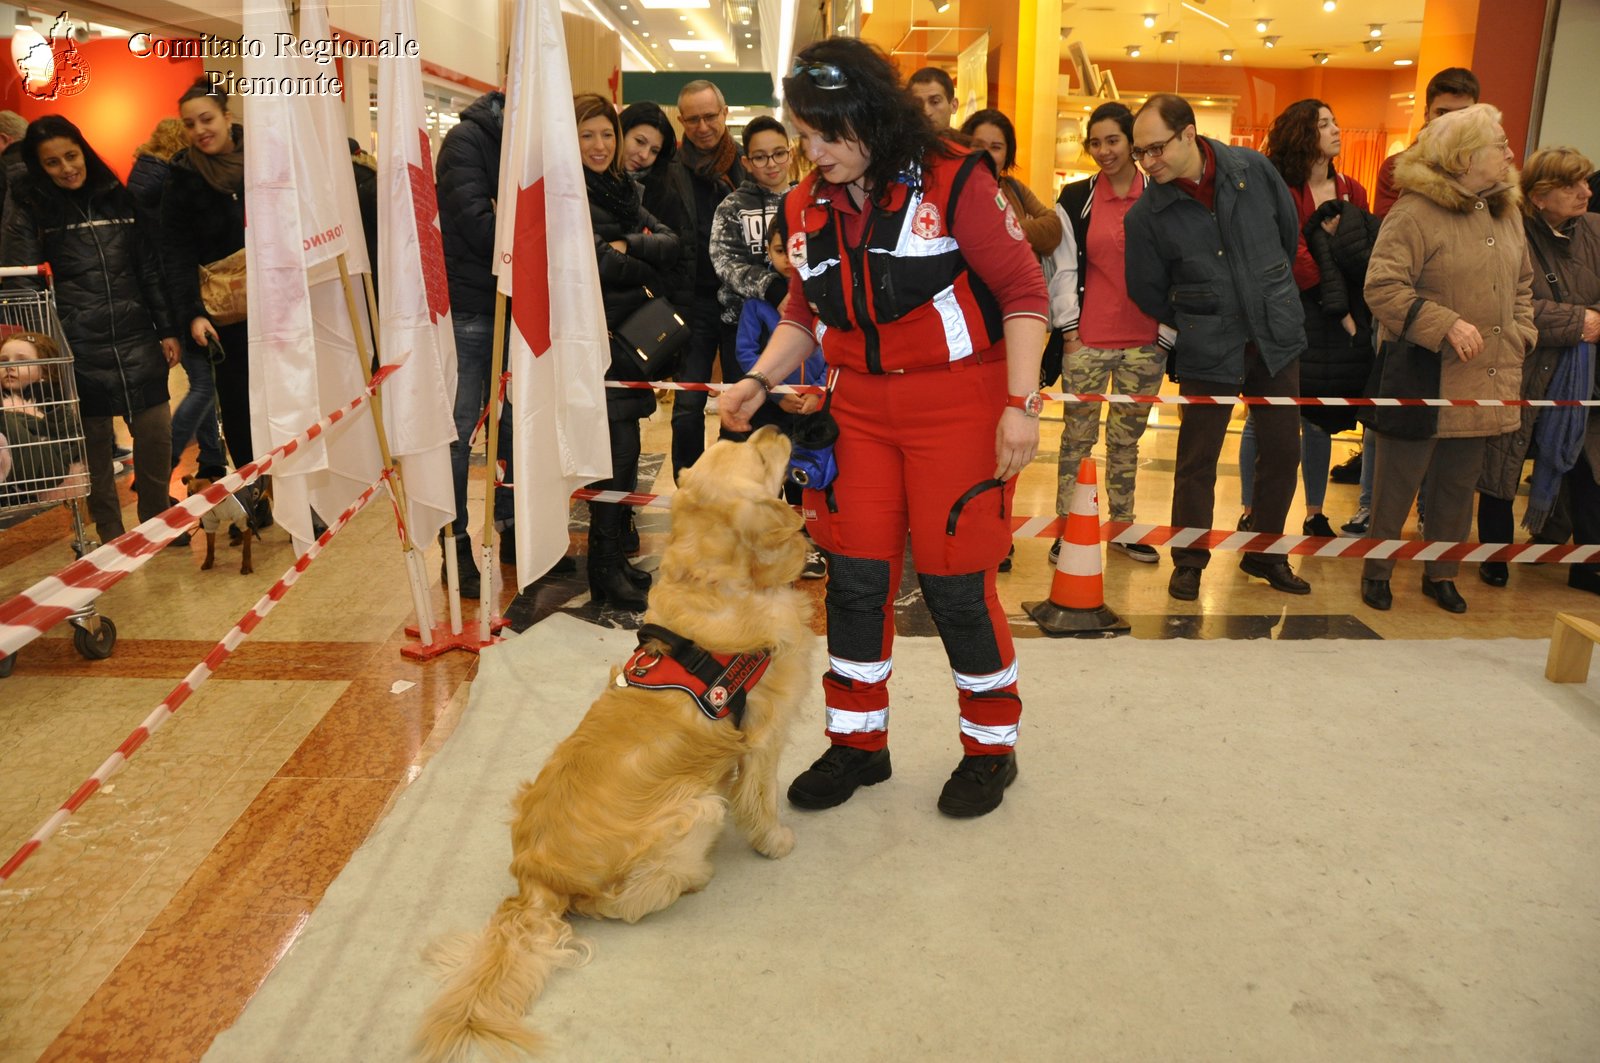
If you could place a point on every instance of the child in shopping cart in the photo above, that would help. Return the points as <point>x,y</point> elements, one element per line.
<point>37,415</point>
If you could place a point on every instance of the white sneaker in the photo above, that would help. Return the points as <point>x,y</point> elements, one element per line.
<point>1358,524</point>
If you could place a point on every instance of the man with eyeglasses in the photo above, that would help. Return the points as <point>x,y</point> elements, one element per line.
<point>711,158</point>
<point>1210,255</point>
<point>739,233</point>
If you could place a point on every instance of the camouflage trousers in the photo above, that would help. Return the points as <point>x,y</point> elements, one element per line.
<point>1134,371</point>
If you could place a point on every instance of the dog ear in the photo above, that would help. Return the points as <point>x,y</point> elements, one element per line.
<point>770,528</point>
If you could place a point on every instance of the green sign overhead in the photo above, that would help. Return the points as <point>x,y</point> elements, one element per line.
<point>741,88</point>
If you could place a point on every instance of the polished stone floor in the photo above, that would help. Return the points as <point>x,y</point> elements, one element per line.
<point>145,925</point>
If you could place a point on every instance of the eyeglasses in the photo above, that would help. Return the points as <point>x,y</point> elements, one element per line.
<point>691,121</point>
<point>1153,151</point>
<point>777,158</point>
<point>823,75</point>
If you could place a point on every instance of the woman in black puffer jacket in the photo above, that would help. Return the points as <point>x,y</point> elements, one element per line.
<point>71,211</point>
<point>634,251</point>
<point>202,221</point>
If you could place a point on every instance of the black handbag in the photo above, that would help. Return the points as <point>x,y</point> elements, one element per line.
<point>647,344</point>
<point>1404,370</point>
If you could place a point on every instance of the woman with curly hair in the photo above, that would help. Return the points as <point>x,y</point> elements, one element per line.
<point>912,272</point>
<point>1337,233</point>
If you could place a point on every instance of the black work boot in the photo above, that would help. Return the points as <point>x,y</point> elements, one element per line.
<point>466,565</point>
<point>978,785</point>
<point>836,774</point>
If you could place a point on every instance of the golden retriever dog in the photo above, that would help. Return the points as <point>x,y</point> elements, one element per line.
<point>621,820</point>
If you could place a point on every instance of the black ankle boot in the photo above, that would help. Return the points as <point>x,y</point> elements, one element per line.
<point>609,584</point>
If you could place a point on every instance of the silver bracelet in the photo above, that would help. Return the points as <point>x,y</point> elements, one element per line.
<point>759,378</point>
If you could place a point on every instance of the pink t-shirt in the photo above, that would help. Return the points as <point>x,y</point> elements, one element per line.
<point>1110,320</point>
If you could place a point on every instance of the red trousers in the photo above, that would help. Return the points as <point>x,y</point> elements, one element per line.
<point>915,450</point>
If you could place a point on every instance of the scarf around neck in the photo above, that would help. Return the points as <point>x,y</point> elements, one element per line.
<point>223,172</point>
<point>616,195</point>
<point>713,165</point>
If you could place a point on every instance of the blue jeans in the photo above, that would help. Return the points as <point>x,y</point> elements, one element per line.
<point>1316,453</point>
<point>474,352</point>
<point>196,415</point>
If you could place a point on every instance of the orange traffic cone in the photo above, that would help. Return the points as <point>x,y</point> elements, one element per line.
<point>1077,604</point>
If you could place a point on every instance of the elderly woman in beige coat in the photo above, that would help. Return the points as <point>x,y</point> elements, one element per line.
<point>1455,241</point>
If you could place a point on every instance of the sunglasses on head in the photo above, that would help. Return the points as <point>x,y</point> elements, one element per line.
<point>823,75</point>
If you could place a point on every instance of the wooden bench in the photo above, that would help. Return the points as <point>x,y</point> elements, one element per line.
<point>1571,647</point>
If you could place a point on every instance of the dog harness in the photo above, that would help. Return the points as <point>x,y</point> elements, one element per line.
<point>718,682</point>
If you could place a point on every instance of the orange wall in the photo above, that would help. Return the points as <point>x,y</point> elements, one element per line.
<point>1359,98</point>
<point>123,100</point>
<point>1505,58</point>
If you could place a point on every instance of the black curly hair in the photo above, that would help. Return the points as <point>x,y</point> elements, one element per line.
<point>872,106</point>
<point>647,112</point>
<point>1293,143</point>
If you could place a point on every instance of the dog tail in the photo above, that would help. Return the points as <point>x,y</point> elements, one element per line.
<point>495,976</point>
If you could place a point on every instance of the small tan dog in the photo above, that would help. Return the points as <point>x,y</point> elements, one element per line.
<point>621,820</point>
<point>229,509</point>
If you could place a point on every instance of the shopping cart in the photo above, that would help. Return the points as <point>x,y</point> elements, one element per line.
<point>42,458</point>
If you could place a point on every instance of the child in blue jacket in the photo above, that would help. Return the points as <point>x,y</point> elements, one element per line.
<point>757,319</point>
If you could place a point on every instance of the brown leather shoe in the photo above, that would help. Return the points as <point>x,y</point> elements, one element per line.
<point>1276,571</point>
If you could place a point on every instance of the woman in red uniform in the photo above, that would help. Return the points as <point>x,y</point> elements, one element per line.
<point>912,272</point>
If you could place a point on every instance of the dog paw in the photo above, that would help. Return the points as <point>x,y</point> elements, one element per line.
<point>245,570</point>
<point>206,565</point>
<point>776,843</point>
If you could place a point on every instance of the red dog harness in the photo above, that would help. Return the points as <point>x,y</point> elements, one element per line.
<point>718,682</point>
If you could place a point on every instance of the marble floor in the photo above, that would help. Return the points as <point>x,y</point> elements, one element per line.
<point>144,926</point>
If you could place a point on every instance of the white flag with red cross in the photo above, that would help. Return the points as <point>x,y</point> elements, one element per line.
<point>419,400</point>
<point>302,349</point>
<point>545,263</point>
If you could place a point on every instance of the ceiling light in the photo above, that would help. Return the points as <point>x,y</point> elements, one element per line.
<point>1262,24</point>
<point>1227,55</point>
<point>708,66</point>
<point>635,22</point>
<point>1133,51</point>
<point>678,44</point>
<point>1373,46</point>
<point>1150,22</point>
<point>1402,62</point>
<point>1271,42</point>
<point>746,36</point>
<point>1321,58</point>
<point>748,47</point>
<point>1330,5</point>
<point>646,36</point>
<point>941,6</point>
<point>1375,29</point>
<point>658,4</point>
<point>840,28</point>
<point>1170,37</point>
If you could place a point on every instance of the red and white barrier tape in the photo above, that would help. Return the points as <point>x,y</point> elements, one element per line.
<point>30,614</point>
<point>1030,527</point>
<point>1154,400</point>
<point>197,676</point>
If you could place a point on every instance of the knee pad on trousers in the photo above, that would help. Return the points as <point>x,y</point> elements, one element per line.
<point>961,614</point>
<point>858,592</point>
